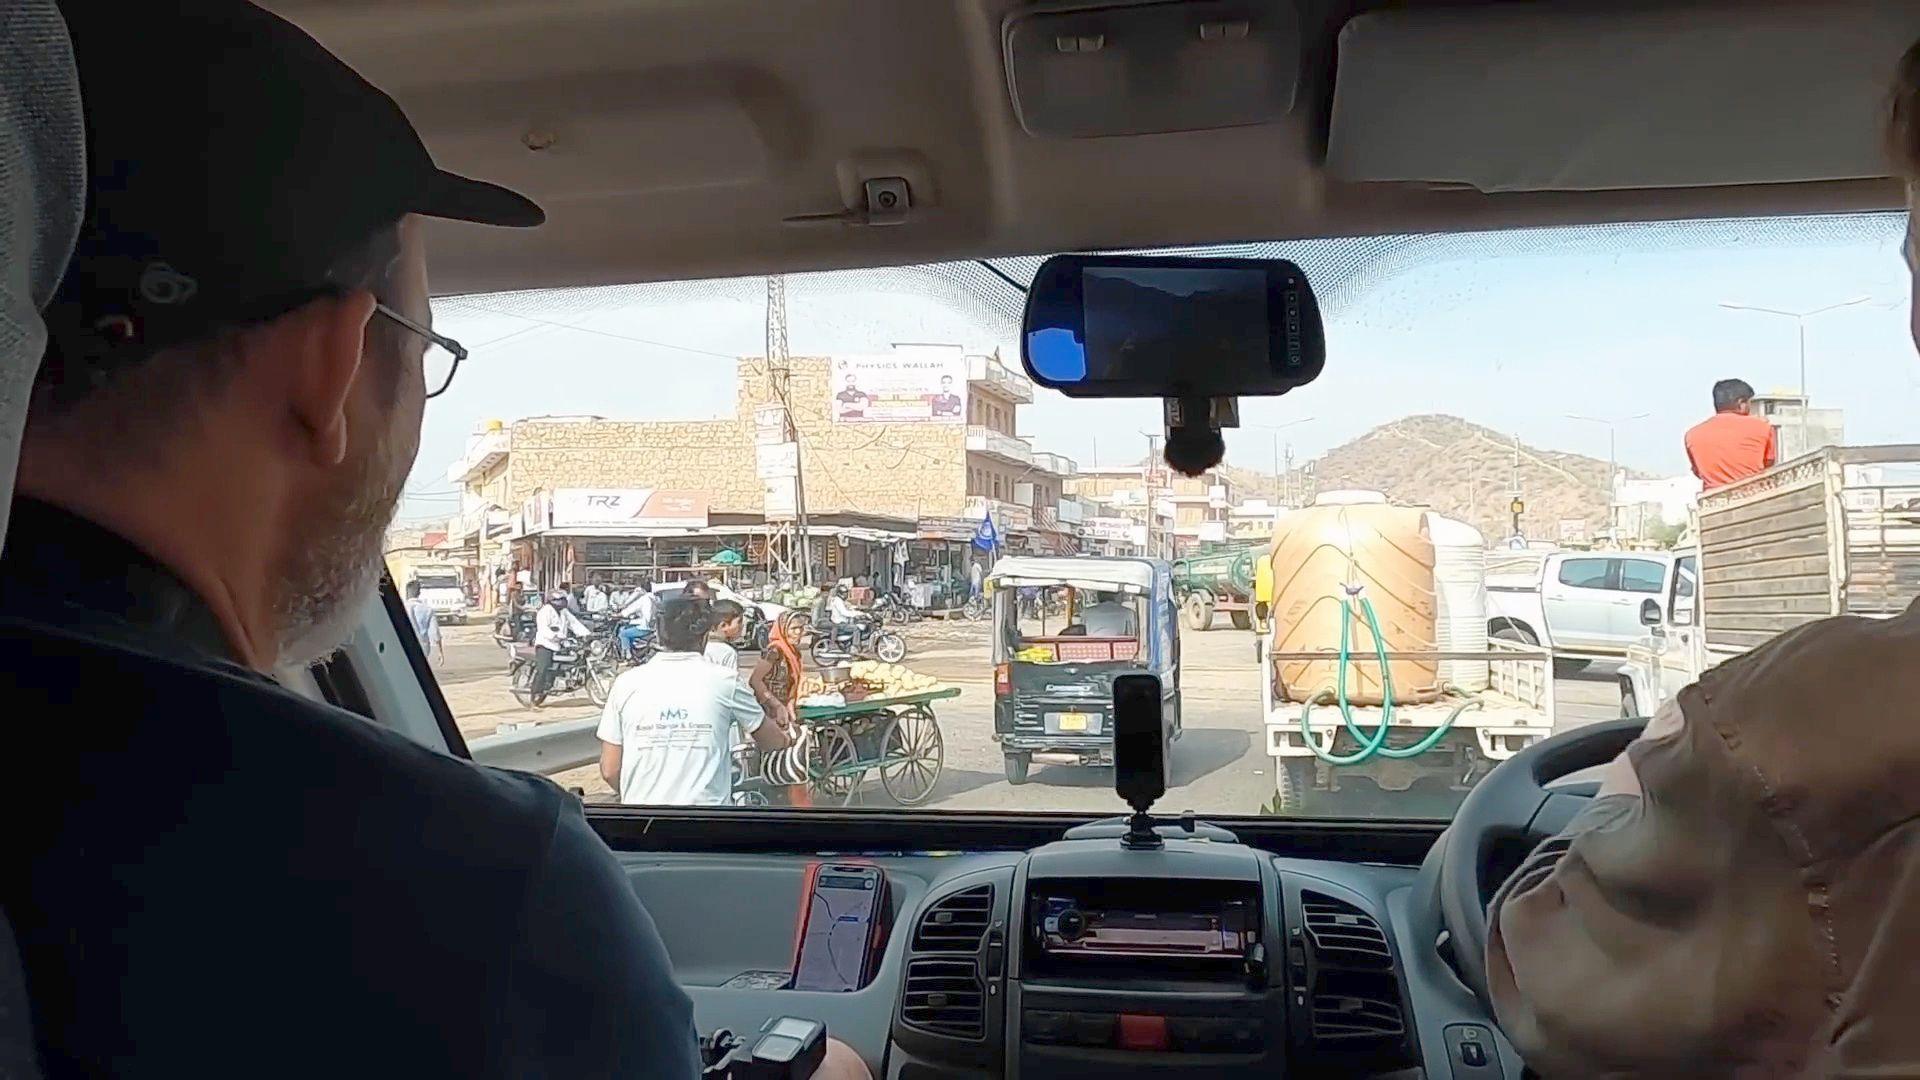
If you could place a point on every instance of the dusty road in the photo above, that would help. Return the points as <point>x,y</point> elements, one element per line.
<point>1219,766</point>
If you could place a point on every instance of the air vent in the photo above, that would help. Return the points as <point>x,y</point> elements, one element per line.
<point>1355,994</point>
<point>956,923</point>
<point>1346,1016</point>
<point>945,997</point>
<point>1344,935</point>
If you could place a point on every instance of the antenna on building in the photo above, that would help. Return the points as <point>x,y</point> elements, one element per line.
<point>787,541</point>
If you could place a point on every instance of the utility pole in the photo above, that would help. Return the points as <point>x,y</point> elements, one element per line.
<point>1800,322</point>
<point>779,373</point>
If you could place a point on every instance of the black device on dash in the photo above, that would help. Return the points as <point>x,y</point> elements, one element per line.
<point>1139,752</point>
<point>841,927</point>
<point>786,1048</point>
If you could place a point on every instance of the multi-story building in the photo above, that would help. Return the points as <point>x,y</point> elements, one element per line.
<point>880,463</point>
<point>1173,514</point>
<point>1798,426</point>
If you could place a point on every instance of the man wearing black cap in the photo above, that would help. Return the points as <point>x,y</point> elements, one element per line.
<point>208,874</point>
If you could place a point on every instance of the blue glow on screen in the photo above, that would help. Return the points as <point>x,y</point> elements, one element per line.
<point>1056,355</point>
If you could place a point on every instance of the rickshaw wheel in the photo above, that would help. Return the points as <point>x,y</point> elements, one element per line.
<point>912,753</point>
<point>834,756</point>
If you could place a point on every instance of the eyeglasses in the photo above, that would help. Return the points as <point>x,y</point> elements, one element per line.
<point>439,363</point>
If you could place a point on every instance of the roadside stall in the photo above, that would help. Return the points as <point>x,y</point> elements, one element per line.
<point>866,720</point>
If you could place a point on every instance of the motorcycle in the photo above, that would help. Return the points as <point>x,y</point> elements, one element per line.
<point>865,639</point>
<point>582,664</point>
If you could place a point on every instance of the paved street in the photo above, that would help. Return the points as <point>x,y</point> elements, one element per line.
<point>1219,765</point>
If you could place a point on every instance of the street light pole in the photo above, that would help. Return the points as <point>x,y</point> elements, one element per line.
<point>1613,463</point>
<point>1800,322</point>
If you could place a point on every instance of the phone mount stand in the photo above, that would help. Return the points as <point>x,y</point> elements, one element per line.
<point>1194,442</point>
<point>1139,756</point>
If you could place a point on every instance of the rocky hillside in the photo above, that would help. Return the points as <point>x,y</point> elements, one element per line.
<point>1459,468</point>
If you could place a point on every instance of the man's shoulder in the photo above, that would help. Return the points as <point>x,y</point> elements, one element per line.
<point>161,726</point>
<point>1819,715</point>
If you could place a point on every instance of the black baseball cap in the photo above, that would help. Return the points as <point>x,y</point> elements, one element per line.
<point>232,162</point>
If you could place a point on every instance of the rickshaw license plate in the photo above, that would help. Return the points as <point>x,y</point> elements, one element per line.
<point>1074,721</point>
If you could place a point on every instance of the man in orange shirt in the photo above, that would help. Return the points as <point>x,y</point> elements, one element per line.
<point>1733,444</point>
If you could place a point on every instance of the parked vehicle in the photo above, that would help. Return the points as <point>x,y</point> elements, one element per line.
<point>1833,532</point>
<point>1052,681</point>
<point>1582,605</point>
<point>517,625</point>
<point>445,591</point>
<point>1218,580</point>
<point>580,666</point>
<point>865,639</point>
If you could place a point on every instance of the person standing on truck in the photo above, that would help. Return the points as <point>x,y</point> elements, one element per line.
<point>1732,444</point>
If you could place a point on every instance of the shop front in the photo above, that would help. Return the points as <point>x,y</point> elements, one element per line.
<point>938,560</point>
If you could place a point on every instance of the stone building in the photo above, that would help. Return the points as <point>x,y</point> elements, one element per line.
<point>926,481</point>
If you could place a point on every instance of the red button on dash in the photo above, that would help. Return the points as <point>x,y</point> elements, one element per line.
<point>1139,1032</point>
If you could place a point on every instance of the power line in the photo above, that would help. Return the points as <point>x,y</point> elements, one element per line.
<point>602,333</point>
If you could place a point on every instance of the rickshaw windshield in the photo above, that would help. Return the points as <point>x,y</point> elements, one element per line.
<point>1063,623</point>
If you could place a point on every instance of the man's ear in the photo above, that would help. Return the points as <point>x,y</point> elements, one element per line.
<point>327,338</point>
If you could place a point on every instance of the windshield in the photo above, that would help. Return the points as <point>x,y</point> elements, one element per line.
<point>1483,523</point>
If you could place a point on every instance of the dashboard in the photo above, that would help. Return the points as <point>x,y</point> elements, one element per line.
<point>1083,957</point>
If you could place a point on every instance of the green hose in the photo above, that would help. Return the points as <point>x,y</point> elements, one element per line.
<point>1376,743</point>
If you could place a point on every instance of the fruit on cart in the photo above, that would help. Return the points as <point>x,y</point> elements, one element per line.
<point>891,680</point>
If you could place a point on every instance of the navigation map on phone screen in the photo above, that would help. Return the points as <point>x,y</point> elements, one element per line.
<point>834,946</point>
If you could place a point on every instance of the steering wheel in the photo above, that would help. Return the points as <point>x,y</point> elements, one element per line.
<point>1510,805</point>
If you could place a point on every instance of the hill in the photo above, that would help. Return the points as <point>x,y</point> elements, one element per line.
<point>1458,468</point>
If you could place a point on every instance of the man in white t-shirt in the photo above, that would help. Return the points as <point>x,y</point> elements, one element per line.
<point>667,733</point>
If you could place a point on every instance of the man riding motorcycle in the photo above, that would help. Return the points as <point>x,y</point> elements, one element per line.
<point>553,628</point>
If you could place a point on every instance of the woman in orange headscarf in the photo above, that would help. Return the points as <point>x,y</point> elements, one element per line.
<point>776,682</point>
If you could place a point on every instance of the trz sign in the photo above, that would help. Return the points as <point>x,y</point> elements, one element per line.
<point>606,510</point>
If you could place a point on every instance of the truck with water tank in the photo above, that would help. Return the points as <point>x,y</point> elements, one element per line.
<point>1377,673</point>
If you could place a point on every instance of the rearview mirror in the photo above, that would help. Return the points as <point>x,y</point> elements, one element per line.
<point>1649,613</point>
<point>1171,327</point>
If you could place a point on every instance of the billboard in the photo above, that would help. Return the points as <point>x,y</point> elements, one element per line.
<point>905,387</point>
<point>635,508</point>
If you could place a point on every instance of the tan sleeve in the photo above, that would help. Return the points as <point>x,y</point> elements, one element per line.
<point>1663,934</point>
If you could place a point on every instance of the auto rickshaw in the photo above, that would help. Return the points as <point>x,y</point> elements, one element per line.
<point>1054,663</point>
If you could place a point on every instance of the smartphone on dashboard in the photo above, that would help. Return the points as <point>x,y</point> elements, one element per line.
<point>842,926</point>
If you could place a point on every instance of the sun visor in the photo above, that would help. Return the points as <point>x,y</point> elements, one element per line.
<point>1544,97</point>
<point>1079,70</point>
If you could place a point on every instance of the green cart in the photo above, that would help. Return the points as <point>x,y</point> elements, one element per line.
<point>896,736</point>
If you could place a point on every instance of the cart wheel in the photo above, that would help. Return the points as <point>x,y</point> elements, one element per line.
<point>889,647</point>
<point>1292,780</point>
<point>836,770</point>
<point>1017,766</point>
<point>750,797</point>
<point>1199,611</point>
<point>912,753</point>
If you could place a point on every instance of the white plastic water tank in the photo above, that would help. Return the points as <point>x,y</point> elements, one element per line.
<point>1460,599</point>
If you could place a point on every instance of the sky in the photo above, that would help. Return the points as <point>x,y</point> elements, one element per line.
<point>1512,330</point>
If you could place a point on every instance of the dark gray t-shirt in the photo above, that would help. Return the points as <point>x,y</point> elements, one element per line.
<point>210,875</point>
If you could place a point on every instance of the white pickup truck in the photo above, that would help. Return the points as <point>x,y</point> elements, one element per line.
<point>1582,605</point>
<point>444,591</point>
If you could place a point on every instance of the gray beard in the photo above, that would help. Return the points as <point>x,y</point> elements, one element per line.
<point>328,581</point>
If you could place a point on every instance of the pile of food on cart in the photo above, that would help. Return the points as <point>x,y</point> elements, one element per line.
<point>865,680</point>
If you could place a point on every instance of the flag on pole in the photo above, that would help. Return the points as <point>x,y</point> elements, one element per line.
<point>984,537</point>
